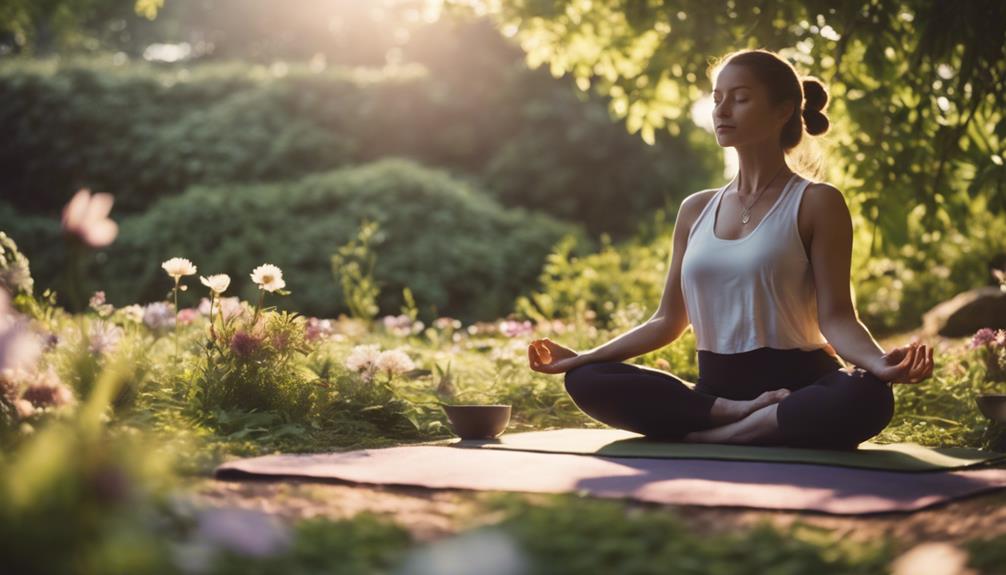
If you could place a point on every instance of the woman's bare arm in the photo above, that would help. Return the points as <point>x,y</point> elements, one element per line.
<point>670,320</point>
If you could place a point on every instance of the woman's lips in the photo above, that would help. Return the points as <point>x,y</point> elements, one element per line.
<point>723,128</point>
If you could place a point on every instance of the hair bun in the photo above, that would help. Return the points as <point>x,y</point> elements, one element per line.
<point>815,101</point>
<point>815,121</point>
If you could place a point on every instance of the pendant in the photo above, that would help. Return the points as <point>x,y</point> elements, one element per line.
<point>745,218</point>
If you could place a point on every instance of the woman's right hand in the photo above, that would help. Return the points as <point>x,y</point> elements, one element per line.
<point>547,356</point>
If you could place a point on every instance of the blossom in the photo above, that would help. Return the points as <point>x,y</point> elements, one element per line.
<point>363,357</point>
<point>158,315</point>
<point>97,303</point>
<point>402,325</point>
<point>987,336</point>
<point>511,328</point>
<point>394,361</point>
<point>445,323</point>
<point>16,277</point>
<point>133,312</point>
<point>217,283</point>
<point>46,390</point>
<point>230,306</point>
<point>243,531</point>
<point>187,315</point>
<point>316,329</point>
<point>178,267</point>
<point>244,344</point>
<point>268,277</point>
<point>19,346</point>
<point>86,217</point>
<point>103,337</point>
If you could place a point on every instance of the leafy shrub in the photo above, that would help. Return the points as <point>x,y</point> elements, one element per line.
<point>457,250</point>
<point>601,282</point>
<point>892,293</point>
<point>249,364</point>
<point>143,132</point>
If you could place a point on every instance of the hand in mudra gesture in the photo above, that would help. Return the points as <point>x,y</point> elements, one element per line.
<point>910,363</point>
<point>547,356</point>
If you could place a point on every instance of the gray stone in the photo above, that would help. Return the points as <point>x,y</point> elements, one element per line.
<point>967,312</point>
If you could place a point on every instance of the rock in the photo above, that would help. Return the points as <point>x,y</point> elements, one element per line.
<point>967,312</point>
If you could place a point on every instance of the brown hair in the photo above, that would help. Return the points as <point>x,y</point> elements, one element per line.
<point>783,83</point>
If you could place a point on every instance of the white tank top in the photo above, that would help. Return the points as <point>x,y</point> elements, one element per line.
<point>755,291</point>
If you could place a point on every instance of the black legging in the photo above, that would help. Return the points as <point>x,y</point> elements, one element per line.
<point>829,406</point>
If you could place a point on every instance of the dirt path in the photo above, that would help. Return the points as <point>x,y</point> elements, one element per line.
<point>431,514</point>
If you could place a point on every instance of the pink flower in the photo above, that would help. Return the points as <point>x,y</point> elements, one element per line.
<point>86,217</point>
<point>511,328</point>
<point>98,304</point>
<point>402,325</point>
<point>48,391</point>
<point>317,329</point>
<point>187,315</point>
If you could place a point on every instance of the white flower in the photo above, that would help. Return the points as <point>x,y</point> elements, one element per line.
<point>86,217</point>
<point>268,277</point>
<point>394,361</point>
<point>19,345</point>
<point>230,306</point>
<point>178,267</point>
<point>218,283</point>
<point>363,357</point>
<point>133,312</point>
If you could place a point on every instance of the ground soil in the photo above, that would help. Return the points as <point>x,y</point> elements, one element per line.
<point>433,514</point>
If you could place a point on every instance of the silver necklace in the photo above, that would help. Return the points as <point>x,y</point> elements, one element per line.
<point>746,212</point>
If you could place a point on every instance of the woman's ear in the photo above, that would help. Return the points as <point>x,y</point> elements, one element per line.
<point>786,110</point>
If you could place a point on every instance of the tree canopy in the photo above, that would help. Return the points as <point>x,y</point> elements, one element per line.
<point>917,87</point>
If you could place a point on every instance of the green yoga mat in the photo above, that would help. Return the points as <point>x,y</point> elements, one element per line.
<point>620,443</point>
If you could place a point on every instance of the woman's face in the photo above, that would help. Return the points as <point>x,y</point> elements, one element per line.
<point>741,113</point>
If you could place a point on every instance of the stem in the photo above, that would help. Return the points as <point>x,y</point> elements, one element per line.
<point>258,306</point>
<point>176,319</point>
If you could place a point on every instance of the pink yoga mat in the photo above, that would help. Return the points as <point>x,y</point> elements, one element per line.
<point>782,486</point>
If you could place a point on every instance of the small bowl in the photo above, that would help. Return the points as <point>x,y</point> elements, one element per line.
<point>993,406</point>
<point>478,421</point>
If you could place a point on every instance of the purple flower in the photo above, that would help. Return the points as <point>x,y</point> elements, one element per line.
<point>988,337</point>
<point>158,316</point>
<point>103,337</point>
<point>244,344</point>
<point>244,531</point>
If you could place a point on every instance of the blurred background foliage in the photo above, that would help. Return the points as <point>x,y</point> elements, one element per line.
<point>594,114</point>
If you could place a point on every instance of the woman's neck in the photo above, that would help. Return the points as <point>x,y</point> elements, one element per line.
<point>757,168</point>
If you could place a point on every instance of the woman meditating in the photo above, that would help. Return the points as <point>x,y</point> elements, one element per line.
<point>760,268</point>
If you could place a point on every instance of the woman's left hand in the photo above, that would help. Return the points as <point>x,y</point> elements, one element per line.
<point>910,363</point>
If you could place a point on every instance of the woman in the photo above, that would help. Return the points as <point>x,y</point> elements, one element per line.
<point>763,278</point>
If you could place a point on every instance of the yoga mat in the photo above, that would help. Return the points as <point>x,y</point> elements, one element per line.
<point>620,443</point>
<point>703,482</point>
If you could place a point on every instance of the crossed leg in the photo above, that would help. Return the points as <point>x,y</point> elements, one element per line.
<point>653,402</point>
<point>838,411</point>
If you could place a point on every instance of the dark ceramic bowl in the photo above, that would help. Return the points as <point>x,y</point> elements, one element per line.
<point>993,406</point>
<point>478,421</point>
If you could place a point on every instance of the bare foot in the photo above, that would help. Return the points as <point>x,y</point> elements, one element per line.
<point>728,410</point>
<point>760,426</point>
